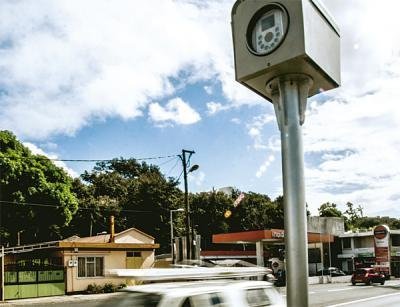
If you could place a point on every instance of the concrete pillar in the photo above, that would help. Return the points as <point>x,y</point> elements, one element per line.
<point>260,253</point>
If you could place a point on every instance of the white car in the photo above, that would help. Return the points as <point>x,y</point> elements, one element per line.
<point>220,293</point>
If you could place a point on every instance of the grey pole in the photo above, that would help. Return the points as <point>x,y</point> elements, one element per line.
<point>172,237</point>
<point>172,231</point>
<point>2,274</point>
<point>290,94</point>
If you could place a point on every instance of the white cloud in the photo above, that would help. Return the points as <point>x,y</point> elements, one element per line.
<point>38,151</point>
<point>215,107</point>
<point>356,139</point>
<point>351,139</point>
<point>197,178</point>
<point>208,89</point>
<point>176,110</point>
<point>236,120</point>
<point>263,168</point>
<point>65,64</point>
<point>366,47</point>
<point>255,130</point>
<point>49,146</point>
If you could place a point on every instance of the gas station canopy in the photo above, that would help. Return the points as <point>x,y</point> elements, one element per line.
<point>276,236</point>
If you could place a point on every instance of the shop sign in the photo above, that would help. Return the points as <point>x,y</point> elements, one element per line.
<point>277,234</point>
<point>381,242</point>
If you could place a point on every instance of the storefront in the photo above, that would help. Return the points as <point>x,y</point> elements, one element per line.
<point>270,243</point>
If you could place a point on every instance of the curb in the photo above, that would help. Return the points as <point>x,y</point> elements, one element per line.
<point>54,300</point>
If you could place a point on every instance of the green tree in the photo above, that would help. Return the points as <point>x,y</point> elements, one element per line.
<point>137,194</point>
<point>329,210</point>
<point>93,214</point>
<point>370,222</point>
<point>353,216</point>
<point>208,215</point>
<point>36,197</point>
<point>255,212</point>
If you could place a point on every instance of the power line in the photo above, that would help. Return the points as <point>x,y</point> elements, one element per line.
<point>88,160</point>
<point>172,168</point>
<point>166,162</point>
<point>180,176</point>
<point>56,207</point>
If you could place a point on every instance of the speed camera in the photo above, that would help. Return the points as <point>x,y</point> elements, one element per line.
<point>266,30</point>
<point>274,38</point>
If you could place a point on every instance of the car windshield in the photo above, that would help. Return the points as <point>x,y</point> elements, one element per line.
<point>361,271</point>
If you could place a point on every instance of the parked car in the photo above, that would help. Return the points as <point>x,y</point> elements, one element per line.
<point>232,293</point>
<point>367,276</point>
<point>331,271</point>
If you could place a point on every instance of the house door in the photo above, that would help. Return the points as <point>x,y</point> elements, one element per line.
<point>134,260</point>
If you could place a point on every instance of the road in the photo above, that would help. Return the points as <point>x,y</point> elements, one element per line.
<point>321,295</point>
<point>342,294</point>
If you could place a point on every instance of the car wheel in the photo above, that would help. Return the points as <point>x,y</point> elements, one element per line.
<point>382,282</point>
<point>368,282</point>
<point>353,283</point>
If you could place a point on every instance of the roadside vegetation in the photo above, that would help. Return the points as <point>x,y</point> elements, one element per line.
<point>106,288</point>
<point>40,202</point>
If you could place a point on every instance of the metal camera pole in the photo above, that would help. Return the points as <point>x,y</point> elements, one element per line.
<point>289,94</point>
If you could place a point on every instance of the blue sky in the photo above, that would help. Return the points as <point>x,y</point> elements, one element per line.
<point>97,79</point>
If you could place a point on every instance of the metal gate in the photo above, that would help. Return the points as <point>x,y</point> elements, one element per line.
<point>27,282</point>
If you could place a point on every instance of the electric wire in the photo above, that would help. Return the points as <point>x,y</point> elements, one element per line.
<point>56,207</point>
<point>180,176</point>
<point>87,160</point>
<point>172,168</point>
<point>166,162</point>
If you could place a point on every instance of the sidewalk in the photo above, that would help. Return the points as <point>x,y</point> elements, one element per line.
<point>54,300</point>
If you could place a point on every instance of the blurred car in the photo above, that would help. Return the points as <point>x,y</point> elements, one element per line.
<point>331,271</point>
<point>222,293</point>
<point>367,276</point>
<point>270,277</point>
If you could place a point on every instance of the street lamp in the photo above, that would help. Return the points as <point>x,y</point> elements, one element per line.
<point>172,230</point>
<point>194,167</point>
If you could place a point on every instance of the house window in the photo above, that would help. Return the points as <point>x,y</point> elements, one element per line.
<point>133,254</point>
<point>358,243</point>
<point>90,266</point>
<point>346,242</point>
<point>396,240</point>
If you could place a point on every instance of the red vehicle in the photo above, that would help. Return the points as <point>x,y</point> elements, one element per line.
<point>367,276</point>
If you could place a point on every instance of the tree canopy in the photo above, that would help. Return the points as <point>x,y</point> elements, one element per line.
<point>329,210</point>
<point>137,194</point>
<point>41,202</point>
<point>35,194</point>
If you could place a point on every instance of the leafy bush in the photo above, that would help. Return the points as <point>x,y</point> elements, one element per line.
<point>109,288</point>
<point>93,289</point>
<point>106,288</point>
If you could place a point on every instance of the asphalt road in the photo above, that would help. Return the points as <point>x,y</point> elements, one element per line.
<point>344,294</point>
<point>321,295</point>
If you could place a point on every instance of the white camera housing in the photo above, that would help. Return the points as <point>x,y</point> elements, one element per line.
<point>275,38</point>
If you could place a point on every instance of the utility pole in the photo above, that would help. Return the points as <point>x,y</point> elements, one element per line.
<point>189,233</point>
